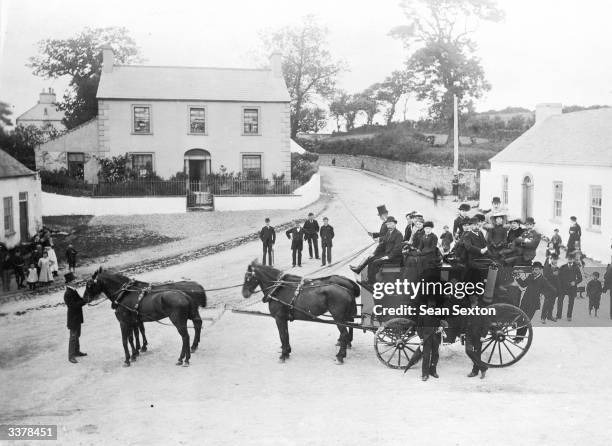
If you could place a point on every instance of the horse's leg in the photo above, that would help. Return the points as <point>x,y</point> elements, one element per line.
<point>197,325</point>
<point>131,332</point>
<point>180,322</point>
<point>349,344</point>
<point>124,338</point>
<point>137,339</point>
<point>344,336</point>
<point>283,332</point>
<point>144,338</point>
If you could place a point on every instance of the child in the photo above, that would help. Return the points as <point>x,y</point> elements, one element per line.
<point>32,276</point>
<point>45,277</point>
<point>71,254</point>
<point>446,238</point>
<point>594,290</point>
<point>556,241</point>
<point>550,250</point>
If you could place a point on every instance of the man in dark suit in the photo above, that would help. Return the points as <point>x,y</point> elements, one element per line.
<point>267,235</point>
<point>327,234</point>
<point>569,277</point>
<point>74,303</point>
<point>311,234</point>
<point>464,208</point>
<point>476,328</point>
<point>296,235</point>
<point>536,284</point>
<point>392,250</point>
<point>475,246</point>
<point>551,273</point>
<point>383,214</point>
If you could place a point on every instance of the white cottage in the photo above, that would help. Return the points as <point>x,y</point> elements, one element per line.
<point>21,201</point>
<point>559,168</point>
<point>44,114</point>
<point>171,119</point>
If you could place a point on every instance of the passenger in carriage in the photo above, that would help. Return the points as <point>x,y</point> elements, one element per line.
<point>390,252</point>
<point>496,236</point>
<point>383,214</point>
<point>446,239</point>
<point>417,233</point>
<point>412,217</point>
<point>464,208</point>
<point>459,249</point>
<point>524,247</point>
<point>514,232</point>
<point>428,246</point>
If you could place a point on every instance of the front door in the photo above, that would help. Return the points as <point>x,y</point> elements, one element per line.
<point>23,216</point>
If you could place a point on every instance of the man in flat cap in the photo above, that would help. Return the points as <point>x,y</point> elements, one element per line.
<point>74,303</point>
<point>311,235</point>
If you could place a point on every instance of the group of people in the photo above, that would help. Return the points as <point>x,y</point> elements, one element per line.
<point>310,231</point>
<point>35,265</point>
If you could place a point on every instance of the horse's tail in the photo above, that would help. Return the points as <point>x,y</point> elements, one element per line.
<point>202,298</point>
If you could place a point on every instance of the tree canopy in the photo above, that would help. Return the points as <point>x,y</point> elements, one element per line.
<point>80,58</point>
<point>308,67</point>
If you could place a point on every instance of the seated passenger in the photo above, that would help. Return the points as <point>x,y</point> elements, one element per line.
<point>524,247</point>
<point>496,236</point>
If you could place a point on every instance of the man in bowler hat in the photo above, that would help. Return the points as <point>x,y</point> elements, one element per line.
<point>74,303</point>
<point>267,235</point>
<point>311,234</point>
<point>296,235</point>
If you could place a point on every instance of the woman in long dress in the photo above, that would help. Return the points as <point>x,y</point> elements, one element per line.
<point>44,263</point>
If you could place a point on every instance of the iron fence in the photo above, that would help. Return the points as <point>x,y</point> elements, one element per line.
<point>173,188</point>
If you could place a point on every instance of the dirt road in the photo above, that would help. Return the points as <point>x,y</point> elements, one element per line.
<point>236,393</point>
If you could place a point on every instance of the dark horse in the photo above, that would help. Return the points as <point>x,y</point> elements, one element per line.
<point>136,302</point>
<point>290,297</point>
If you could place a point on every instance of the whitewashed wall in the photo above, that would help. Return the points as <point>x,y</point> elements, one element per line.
<point>11,187</point>
<point>576,199</point>
<point>303,196</point>
<point>54,204</point>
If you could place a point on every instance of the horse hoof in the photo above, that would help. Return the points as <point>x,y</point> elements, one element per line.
<point>339,361</point>
<point>281,359</point>
<point>143,349</point>
<point>179,362</point>
<point>186,364</point>
<point>126,364</point>
<point>134,358</point>
<point>193,349</point>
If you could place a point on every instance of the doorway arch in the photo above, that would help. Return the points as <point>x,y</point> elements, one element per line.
<point>527,188</point>
<point>197,165</point>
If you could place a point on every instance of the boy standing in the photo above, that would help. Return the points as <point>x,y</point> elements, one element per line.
<point>594,290</point>
<point>556,241</point>
<point>71,254</point>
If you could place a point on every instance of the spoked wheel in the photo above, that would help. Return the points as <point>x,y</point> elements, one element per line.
<point>396,342</point>
<point>509,337</point>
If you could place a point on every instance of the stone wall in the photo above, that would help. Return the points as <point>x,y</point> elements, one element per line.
<point>423,176</point>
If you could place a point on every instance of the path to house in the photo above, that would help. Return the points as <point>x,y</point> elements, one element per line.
<point>236,393</point>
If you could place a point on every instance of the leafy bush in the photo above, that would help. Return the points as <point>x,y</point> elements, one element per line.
<point>303,166</point>
<point>58,181</point>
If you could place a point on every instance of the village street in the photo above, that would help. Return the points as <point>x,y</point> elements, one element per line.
<point>236,393</point>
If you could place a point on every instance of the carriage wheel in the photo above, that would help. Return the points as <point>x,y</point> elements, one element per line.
<point>395,343</point>
<point>509,337</point>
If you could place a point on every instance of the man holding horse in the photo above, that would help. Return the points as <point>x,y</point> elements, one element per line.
<point>75,304</point>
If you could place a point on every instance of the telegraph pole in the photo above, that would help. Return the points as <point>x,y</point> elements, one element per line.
<point>456,136</point>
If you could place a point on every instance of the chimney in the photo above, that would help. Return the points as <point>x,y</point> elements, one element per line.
<point>276,64</point>
<point>546,110</point>
<point>47,97</point>
<point>108,59</point>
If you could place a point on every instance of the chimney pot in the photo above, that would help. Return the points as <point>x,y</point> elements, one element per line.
<point>108,59</point>
<point>546,110</point>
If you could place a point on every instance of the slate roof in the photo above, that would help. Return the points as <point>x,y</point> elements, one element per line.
<point>192,83</point>
<point>37,113</point>
<point>574,139</point>
<point>10,167</point>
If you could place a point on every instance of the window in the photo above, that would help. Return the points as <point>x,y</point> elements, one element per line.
<point>142,163</point>
<point>595,207</point>
<point>197,120</point>
<point>251,121</point>
<point>8,215</point>
<point>505,190</point>
<point>23,196</point>
<point>142,119</point>
<point>251,166</point>
<point>76,165</point>
<point>557,199</point>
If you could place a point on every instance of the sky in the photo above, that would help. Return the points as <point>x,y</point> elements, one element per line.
<point>544,50</point>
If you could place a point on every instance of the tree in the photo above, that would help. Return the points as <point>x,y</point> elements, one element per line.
<point>339,106</point>
<point>5,115</point>
<point>438,35</point>
<point>308,67</point>
<point>80,58</point>
<point>366,102</point>
<point>390,91</point>
<point>313,119</point>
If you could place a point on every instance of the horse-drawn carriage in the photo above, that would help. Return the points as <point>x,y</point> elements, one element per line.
<point>509,331</point>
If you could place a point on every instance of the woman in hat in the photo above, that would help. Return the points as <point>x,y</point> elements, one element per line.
<point>428,246</point>
<point>464,208</point>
